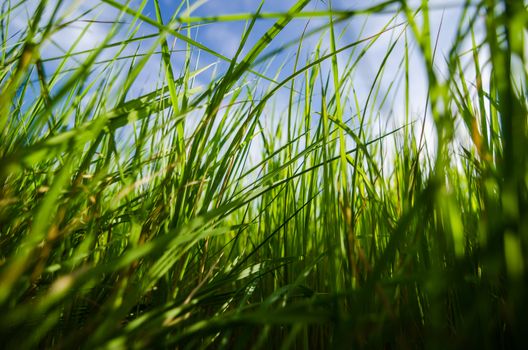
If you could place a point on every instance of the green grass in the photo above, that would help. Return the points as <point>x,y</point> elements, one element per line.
<point>217,216</point>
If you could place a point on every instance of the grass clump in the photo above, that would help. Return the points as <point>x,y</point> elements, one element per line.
<point>269,198</point>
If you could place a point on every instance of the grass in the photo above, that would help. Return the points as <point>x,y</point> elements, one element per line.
<point>274,206</point>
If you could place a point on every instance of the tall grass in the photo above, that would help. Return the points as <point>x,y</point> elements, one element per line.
<point>274,206</point>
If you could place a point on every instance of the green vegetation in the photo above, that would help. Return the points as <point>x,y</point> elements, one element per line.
<point>146,220</point>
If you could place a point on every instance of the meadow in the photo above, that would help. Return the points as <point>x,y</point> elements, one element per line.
<point>270,198</point>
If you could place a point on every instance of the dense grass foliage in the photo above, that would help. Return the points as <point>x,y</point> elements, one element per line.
<point>280,204</point>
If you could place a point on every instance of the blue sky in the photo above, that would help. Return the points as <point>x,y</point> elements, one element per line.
<point>225,37</point>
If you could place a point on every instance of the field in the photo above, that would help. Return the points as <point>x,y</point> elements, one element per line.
<point>341,176</point>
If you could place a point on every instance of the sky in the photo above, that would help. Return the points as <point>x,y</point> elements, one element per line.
<point>225,37</point>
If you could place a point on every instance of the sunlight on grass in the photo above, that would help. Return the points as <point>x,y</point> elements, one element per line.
<point>346,176</point>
